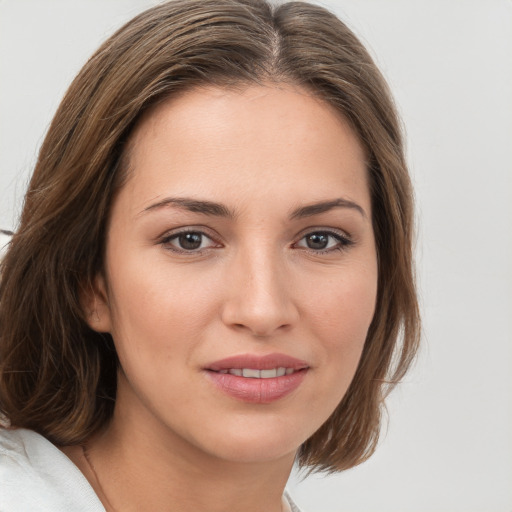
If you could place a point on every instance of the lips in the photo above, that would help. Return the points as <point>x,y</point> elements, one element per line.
<point>253,373</point>
<point>257,379</point>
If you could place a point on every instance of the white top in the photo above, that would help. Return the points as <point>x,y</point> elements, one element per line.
<point>36,476</point>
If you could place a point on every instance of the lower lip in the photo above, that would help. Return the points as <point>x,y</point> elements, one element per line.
<point>261,391</point>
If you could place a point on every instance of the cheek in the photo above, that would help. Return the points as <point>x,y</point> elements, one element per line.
<point>157,324</point>
<point>341,313</point>
<point>158,310</point>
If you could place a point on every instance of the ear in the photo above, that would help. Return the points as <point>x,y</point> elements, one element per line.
<point>95,305</point>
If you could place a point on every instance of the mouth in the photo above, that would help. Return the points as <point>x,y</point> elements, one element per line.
<point>257,367</point>
<point>257,379</point>
<point>254,373</point>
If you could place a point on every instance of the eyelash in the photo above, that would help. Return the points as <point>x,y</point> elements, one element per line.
<point>166,241</point>
<point>343,241</point>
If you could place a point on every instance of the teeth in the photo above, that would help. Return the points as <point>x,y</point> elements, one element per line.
<point>252,373</point>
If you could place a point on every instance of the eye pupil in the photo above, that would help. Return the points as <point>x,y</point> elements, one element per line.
<point>190,241</point>
<point>317,240</point>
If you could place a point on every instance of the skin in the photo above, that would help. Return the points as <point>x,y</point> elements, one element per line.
<point>255,286</point>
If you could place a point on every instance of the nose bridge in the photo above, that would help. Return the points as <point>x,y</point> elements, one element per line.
<point>259,298</point>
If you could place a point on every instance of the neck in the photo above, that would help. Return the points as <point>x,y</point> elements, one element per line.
<point>150,468</point>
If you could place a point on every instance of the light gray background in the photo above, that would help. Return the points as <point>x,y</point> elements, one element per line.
<point>448,446</point>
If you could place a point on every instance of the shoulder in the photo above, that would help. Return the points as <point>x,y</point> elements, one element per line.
<point>291,503</point>
<point>36,475</point>
<point>4,240</point>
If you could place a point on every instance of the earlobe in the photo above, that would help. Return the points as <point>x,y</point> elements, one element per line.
<point>95,305</point>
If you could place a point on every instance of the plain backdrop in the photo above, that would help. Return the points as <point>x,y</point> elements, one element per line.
<point>448,443</point>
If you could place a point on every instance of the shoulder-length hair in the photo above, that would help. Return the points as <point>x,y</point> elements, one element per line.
<point>57,376</point>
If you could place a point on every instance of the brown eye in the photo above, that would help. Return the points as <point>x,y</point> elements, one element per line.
<point>324,241</point>
<point>317,240</point>
<point>188,241</point>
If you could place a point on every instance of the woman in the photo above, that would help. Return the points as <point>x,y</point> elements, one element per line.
<point>212,275</point>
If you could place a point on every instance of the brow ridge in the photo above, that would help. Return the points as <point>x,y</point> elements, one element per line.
<point>193,205</point>
<point>219,210</point>
<point>325,206</point>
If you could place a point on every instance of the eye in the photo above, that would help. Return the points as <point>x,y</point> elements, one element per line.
<point>188,241</point>
<point>323,241</point>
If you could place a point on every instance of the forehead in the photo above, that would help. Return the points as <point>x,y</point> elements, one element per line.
<point>259,141</point>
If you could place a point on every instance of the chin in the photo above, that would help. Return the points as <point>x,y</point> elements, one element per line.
<point>254,452</point>
<point>256,444</point>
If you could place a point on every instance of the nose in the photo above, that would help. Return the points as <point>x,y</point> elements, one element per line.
<point>259,296</point>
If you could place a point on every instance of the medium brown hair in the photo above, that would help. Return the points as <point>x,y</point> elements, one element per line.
<point>57,376</point>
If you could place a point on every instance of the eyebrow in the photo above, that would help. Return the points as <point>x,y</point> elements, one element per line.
<point>193,205</point>
<point>219,210</point>
<point>325,206</point>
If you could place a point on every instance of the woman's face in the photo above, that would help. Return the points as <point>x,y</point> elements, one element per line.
<point>241,271</point>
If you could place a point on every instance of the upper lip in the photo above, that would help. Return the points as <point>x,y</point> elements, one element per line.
<point>257,362</point>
